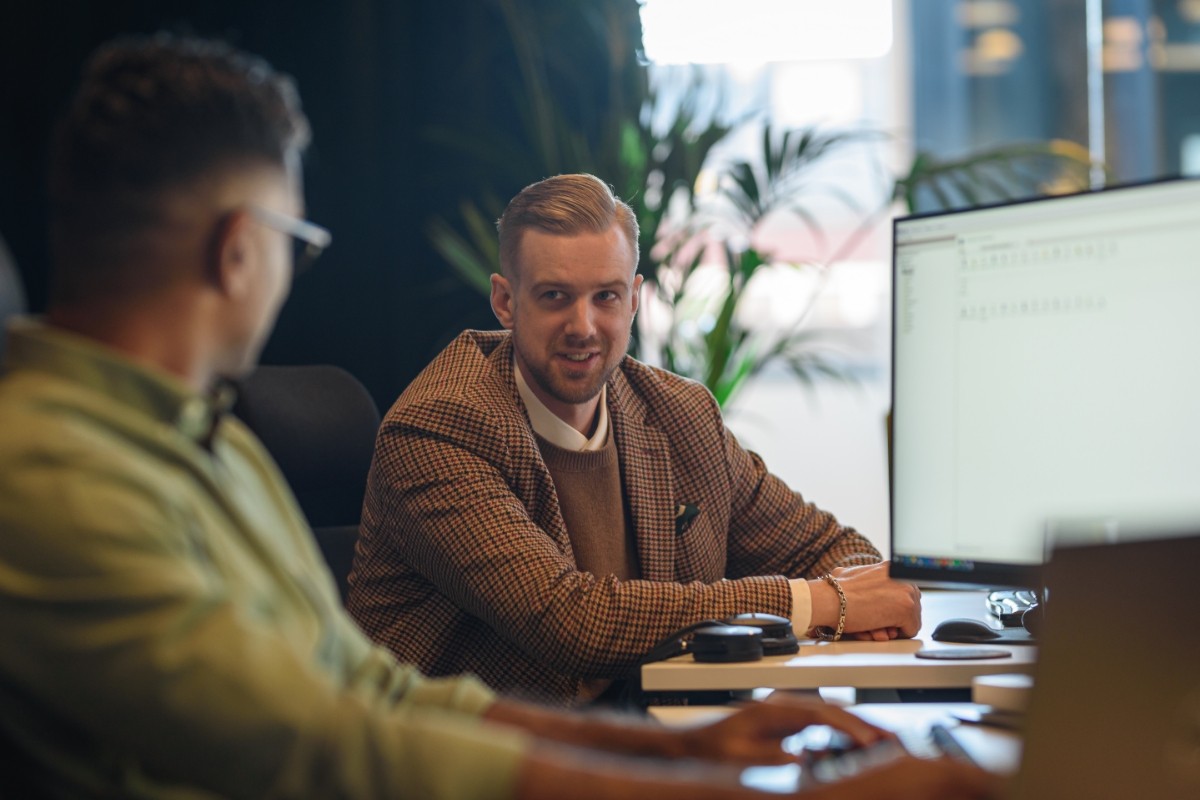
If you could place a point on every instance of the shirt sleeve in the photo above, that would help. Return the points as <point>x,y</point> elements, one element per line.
<point>136,660</point>
<point>801,606</point>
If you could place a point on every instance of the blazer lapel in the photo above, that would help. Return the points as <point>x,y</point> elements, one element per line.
<point>537,492</point>
<point>646,474</point>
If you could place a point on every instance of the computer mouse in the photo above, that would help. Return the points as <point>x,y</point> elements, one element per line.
<point>962,629</point>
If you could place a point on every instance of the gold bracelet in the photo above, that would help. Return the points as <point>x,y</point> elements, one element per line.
<point>823,633</point>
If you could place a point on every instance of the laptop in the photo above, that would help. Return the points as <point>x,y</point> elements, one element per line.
<point>1115,709</point>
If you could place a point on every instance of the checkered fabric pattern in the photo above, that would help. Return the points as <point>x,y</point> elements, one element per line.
<point>464,563</point>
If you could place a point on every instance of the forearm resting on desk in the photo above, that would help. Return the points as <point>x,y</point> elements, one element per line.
<point>703,762</point>
<point>551,772</point>
<point>549,768</point>
<point>753,734</point>
<point>548,771</point>
<point>608,732</point>
<point>877,607</point>
<point>915,779</point>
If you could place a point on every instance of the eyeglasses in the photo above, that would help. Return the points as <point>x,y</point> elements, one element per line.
<point>309,240</point>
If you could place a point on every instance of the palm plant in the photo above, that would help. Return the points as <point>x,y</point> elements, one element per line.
<point>712,341</point>
<point>657,166</point>
<point>997,174</point>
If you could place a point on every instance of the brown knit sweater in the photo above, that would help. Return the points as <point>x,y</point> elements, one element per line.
<point>593,507</point>
<point>588,483</point>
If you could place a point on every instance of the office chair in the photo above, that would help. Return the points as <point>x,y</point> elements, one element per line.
<point>12,294</point>
<point>319,424</point>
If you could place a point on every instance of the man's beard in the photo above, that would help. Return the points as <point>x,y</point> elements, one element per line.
<point>565,390</point>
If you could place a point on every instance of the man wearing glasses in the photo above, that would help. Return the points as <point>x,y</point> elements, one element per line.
<point>169,629</point>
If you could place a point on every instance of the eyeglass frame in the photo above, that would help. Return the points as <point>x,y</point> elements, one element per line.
<point>314,237</point>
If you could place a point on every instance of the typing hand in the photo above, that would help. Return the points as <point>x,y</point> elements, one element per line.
<point>754,734</point>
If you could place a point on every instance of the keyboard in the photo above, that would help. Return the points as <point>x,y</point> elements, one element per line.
<point>832,765</point>
<point>1009,605</point>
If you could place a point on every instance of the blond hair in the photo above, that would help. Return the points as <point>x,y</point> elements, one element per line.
<point>564,205</point>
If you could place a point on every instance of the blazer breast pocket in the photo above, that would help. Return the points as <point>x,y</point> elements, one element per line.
<point>699,546</point>
<point>685,515</point>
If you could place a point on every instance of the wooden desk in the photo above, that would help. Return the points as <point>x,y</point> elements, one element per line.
<point>864,665</point>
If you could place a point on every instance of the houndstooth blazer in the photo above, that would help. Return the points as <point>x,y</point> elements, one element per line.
<point>464,564</point>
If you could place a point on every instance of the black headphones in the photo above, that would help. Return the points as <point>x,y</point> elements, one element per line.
<point>721,644</point>
<point>745,637</point>
<point>778,639</point>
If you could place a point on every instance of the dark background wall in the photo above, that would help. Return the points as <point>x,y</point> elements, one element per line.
<point>375,76</point>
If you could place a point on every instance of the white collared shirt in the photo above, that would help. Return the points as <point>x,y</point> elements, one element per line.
<point>547,425</point>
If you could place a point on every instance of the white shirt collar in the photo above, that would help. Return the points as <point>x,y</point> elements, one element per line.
<point>547,425</point>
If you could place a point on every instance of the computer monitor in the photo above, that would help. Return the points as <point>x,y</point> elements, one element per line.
<point>1045,373</point>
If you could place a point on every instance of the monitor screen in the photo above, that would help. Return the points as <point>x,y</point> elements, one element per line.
<point>1045,370</point>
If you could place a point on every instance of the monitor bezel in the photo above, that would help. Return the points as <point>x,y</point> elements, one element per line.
<point>981,574</point>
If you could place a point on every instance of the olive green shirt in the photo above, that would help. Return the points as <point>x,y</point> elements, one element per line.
<point>169,629</point>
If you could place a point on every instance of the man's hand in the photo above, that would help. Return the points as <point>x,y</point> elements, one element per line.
<point>877,607</point>
<point>751,735</point>
<point>754,733</point>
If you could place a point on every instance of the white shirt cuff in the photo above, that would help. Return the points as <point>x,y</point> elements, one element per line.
<point>801,607</point>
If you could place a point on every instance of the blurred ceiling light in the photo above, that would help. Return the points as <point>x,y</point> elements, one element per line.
<point>998,44</point>
<point>1123,44</point>
<point>987,13</point>
<point>993,52</point>
<point>1189,10</point>
<point>758,31</point>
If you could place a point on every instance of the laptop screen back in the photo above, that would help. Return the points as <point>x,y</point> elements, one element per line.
<point>1115,710</point>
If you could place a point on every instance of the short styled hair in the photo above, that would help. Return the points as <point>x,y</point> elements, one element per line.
<point>154,115</point>
<point>564,205</point>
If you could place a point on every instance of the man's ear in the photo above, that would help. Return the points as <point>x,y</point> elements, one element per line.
<point>503,300</point>
<point>637,292</point>
<point>229,267</point>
